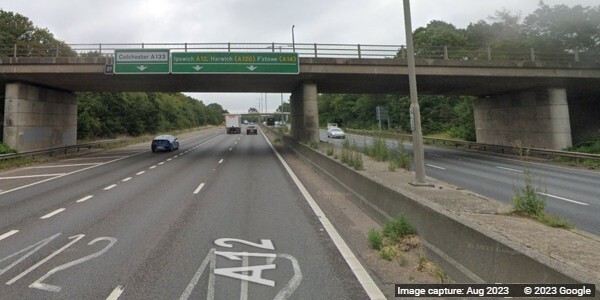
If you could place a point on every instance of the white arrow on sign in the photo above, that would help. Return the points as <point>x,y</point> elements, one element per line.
<point>197,68</point>
<point>142,68</point>
<point>252,68</point>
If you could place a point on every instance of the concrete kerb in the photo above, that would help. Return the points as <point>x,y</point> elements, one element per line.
<point>467,251</point>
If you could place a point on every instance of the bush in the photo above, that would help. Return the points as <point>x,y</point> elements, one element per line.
<point>375,239</point>
<point>398,228</point>
<point>528,200</point>
<point>379,150</point>
<point>388,253</point>
<point>330,151</point>
<point>400,157</point>
<point>4,149</point>
<point>357,161</point>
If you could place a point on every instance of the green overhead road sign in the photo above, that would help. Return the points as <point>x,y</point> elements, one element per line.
<point>235,63</point>
<point>142,61</point>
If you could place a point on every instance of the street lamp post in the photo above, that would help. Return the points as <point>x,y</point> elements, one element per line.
<point>415,113</point>
<point>293,40</point>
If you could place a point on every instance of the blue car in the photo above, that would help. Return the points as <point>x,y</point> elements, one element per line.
<point>165,142</point>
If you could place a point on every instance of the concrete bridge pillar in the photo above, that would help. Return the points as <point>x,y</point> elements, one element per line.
<point>39,118</point>
<point>305,113</point>
<point>538,119</point>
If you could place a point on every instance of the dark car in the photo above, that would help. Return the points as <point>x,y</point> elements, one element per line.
<point>165,142</point>
<point>251,129</point>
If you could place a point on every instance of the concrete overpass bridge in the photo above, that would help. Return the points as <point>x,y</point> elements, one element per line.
<point>542,103</point>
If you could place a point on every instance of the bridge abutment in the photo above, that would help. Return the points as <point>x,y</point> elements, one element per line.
<point>537,119</point>
<point>39,118</point>
<point>305,113</point>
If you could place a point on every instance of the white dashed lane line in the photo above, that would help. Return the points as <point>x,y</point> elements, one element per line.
<point>221,161</point>
<point>140,173</point>
<point>52,214</point>
<point>153,167</point>
<point>562,198</point>
<point>116,293</point>
<point>85,198</point>
<point>509,169</point>
<point>110,187</point>
<point>8,234</point>
<point>436,167</point>
<point>126,179</point>
<point>199,188</point>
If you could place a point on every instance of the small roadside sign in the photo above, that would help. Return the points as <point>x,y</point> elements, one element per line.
<point>142,61</point>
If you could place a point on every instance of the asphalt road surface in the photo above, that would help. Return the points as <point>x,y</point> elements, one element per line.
<point>572,194</point>
<point>221,218</point>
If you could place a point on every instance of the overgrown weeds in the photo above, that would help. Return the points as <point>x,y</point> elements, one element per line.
<point>397,235</point>
<point>530,200</point>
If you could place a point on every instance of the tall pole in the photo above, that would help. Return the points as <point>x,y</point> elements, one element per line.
<point>418,151</point>
<point>293,40</point>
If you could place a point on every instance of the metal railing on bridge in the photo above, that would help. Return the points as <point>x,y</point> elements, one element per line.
<point>359,51</point>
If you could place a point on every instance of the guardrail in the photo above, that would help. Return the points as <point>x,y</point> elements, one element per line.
<point>65,150</point>
<point>485,147</point>
<point>304,50</point>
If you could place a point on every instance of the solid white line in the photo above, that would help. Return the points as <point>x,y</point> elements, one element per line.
<point>140,173</point>
<point>84,199</point>
<point>434,166</point>
<point>221,161</point>
<point>56,212</point>
<point>359,271</point>
<point>126,179</point>
<point>116,293</point>
<point>33,176</point>
<point>199,188</point>
<point>8,234</point>
<point>95,157</point>
<point>60,166</point>
<point>67,174</point>
<point>110,187</point>
<point>509,169</point>
<point>564,199</point>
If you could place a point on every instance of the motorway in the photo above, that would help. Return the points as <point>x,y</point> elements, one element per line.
<point>572,194</point>
<point>221,218</point>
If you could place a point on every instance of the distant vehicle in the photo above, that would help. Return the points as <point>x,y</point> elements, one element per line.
<point>270,121</point>
<point>331,125</point>
<point>165,142</point>
<point>336,133</point>
<point>251,129</point>
<point>245,122</point>
<point>233,123</point>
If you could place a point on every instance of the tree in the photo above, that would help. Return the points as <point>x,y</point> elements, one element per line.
<point>565,28</point>
<point>16,29</point>
<point>430,40</point>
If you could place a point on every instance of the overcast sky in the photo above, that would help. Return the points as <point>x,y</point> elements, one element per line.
<point>376,22</point>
